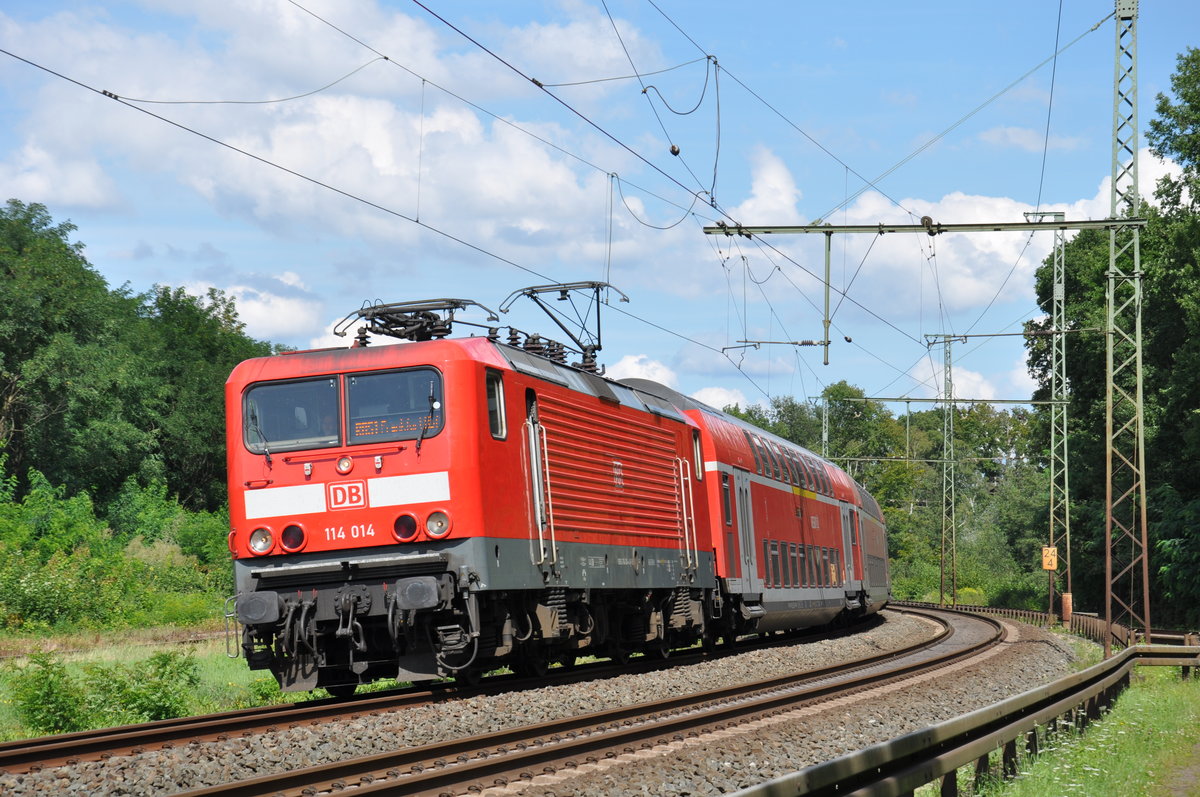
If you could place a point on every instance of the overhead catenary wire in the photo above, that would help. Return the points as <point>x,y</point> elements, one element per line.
<point>662,125</point>
<point>354,197</point>
<point>491,114</point>
<point>963,119</point>
<point>557,99</point>
<point>623,77</point>
<point>932,259</point>
<point>260,102</point>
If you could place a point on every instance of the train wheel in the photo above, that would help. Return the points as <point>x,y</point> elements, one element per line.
<point>341,690</point>
<point>471,676</point>
<point>618,654</point>
<point>534,666</point>
<point>567,661</point>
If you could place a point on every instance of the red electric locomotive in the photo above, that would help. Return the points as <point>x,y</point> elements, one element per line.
<point>443,506</point>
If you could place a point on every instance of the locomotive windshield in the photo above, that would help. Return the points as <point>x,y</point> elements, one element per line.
<point>288,416</point>
<point>395,405</point>
<point>381,407</point>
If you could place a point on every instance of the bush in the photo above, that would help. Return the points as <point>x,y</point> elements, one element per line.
<point>49,700</point>
<point>158,688</point>
<point>46,698</point>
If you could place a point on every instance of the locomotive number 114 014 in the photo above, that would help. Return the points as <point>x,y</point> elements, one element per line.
<point>354,531</point>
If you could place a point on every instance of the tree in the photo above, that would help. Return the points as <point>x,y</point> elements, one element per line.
<point>99,385</point>
<point>1171,362</point>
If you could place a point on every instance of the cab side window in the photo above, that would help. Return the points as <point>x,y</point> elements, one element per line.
<point>495,404</point>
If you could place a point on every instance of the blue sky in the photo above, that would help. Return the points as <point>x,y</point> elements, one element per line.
<point>805,102</point>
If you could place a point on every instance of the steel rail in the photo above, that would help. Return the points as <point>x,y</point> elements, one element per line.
<point>70,748</point>
<point>484,761</point>
<point>899,766</point>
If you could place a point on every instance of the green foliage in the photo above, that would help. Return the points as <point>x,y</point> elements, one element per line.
<point>1170,246</point>
<point>100,386</point>
<point>50,700</point>
<point>47,699</point>
<point>157,689</point>
<point>265,692</point>
<point>61,567</point>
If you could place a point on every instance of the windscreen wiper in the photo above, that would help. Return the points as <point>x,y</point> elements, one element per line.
<point>434,405</point>
<point>257,429</point>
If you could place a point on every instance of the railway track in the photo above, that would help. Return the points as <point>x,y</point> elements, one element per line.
<point>474,764</point>
<point>469,764</point>
<point>31,755</point>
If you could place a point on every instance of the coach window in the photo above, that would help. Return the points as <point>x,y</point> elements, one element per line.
<point>775,563</point>
<point>804,579</point>
<point>290,416</point>
<point>787,464</point>
<point>805,475</point>
<point>791,460</point>
<point>495,404</point>
<point>394,405</point>
<point>770,458</point>
<point>753,450</point>
<point>778,457</point>
<point>726,504</point>
<point>697,463</point>
<point>795,566</point>
<point>783,565</point>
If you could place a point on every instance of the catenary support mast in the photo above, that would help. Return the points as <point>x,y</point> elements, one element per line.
<point>1126,563</point>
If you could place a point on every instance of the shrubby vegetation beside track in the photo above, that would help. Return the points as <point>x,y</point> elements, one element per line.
<point>112,489</point>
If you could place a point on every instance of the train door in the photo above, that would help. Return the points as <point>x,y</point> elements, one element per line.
<point>751,581</point>
<point>850,543</point>
<point>541,515</point>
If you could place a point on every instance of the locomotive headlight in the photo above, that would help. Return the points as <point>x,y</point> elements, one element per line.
<point>261,540</point>
<point>437,524</point>
<point>344,465</point>
<point>293,538</point>
<point>405,528</point>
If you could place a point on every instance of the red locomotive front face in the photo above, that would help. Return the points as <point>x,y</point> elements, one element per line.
<point>341,460</point>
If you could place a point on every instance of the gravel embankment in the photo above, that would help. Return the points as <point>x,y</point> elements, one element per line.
<point>736,760</point>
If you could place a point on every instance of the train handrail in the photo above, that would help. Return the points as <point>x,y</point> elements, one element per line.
<point>900,765</point>
<point>687,515</point>
<point>549,495</point>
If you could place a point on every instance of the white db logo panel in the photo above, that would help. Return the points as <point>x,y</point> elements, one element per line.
<point>347,495</point>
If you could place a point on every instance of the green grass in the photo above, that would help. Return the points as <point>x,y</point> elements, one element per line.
<point>1147,746</point>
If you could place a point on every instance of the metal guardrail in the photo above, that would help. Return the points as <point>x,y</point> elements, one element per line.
<point>895,768</point>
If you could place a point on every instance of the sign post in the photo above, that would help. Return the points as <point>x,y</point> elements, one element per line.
<point>1050,564</point>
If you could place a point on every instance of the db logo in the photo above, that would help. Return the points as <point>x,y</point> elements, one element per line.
<point>347,495</point>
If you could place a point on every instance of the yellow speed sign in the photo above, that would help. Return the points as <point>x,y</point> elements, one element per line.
<point>1049,557</point>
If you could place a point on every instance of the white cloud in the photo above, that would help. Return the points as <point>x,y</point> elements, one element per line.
<point>37,175</point>
<point>1022,383</point>
<point>774,194</point>
<point>270,313</point>
<point>639,366</point>
<point>968,385</point>
<point>1028,139</point>
<point>721,397</point>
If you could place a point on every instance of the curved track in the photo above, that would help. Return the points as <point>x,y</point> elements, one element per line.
<point>470,765</point>
<point>31,755</point>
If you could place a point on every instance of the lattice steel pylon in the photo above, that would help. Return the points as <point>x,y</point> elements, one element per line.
<point>1060,494</point>
<point>949,476</point>
<point>1126,563</point>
